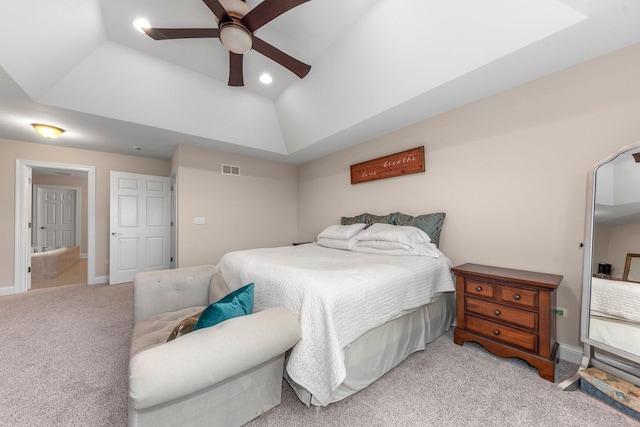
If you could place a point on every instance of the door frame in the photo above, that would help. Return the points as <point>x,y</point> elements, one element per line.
<point>77,207</point>
<point>22,233</point>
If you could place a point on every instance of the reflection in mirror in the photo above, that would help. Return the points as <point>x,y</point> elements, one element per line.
<point>632,269</point>
<point>614,318</point>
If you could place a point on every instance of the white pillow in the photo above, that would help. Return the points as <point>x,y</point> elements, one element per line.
<point>382,244</point>
<point>341,232</point>
<point>395,233</point>
<point>424,249</point>
<point>346,245</point>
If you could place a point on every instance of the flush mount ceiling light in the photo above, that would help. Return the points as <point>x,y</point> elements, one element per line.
<point>47,131</point>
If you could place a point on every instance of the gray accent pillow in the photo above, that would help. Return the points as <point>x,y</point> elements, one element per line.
<point>350,220</point>
<point>429,223</point>
<point>371,219</point>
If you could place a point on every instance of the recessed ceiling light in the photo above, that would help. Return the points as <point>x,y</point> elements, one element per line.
<point>141,23</point>
<point>266,78</point>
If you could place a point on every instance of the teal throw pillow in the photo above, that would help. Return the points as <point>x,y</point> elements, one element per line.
<point>235,304</point>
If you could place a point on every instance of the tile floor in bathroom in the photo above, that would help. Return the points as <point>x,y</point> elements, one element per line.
<point>75,275</point>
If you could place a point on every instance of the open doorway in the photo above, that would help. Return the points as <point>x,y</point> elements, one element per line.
<point>24,201</point>
<point>58,228</point>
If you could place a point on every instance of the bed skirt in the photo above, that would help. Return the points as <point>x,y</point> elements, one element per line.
<point>381,349</point>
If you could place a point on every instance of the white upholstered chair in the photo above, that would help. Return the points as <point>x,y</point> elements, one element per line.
<point>224,375</point>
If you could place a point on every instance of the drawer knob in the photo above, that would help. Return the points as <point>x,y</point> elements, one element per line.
<point>516,297</point>
<point>478,288</point>
<point>497,312</point>
<point>496,332</point>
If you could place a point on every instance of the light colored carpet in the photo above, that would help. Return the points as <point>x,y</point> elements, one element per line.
<point>64,354</point>
<point>449,385</point>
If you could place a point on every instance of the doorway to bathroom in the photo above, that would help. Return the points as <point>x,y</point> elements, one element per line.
<point>25,170</point>
<point>58,237</point>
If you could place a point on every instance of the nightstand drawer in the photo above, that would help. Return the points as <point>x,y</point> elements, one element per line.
<point>523,297</point>
<point>502,313</point>
<point>484,289</point>
<point>496,331</point>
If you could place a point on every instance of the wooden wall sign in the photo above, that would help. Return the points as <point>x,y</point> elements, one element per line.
<point>402,163</point>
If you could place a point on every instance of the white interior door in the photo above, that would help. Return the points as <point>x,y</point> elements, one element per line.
<point>55,219</point>
<point>140,225</point>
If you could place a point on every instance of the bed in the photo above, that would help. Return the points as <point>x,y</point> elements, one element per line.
<point>361,311</point>
<point>615,318</point>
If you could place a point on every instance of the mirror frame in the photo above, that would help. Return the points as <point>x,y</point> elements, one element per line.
<point>591,345</point>
<point>627,268</point>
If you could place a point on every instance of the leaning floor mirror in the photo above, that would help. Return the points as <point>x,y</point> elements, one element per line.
<point>610,329</point>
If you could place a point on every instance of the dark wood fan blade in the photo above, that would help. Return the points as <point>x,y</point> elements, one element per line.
<point>267,11</point>
<point>296,67</point>
<point>218,10</point>
<point>235,70</point>
<point>181,33</point>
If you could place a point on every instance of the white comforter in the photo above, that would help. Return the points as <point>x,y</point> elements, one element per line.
<point>614,298</point>
<point>337,295</point>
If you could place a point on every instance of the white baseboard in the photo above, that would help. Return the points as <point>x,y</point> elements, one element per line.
<point>7,290</point>
<point>99,280</point>
<point>570,353</point>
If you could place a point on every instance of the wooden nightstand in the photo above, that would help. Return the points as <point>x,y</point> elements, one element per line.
<point>509,313</point>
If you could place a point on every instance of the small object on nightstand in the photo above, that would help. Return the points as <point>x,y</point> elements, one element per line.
<point>509,313</point>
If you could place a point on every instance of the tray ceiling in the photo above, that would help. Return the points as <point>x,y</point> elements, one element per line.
<point>377,65</point>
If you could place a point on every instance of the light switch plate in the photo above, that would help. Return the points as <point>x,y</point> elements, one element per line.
<point>199,220</point>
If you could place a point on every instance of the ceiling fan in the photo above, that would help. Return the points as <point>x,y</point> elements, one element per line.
<point>237,22</point>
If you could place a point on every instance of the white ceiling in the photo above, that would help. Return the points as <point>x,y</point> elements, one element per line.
<point>377,65</point>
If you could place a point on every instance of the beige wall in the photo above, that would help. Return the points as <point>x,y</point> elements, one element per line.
<point>104,163</point>
<point>614,245</point>
<point>70,181</point>
<point>510,171</point>
<point>256,209</point>
<point>601,239</point>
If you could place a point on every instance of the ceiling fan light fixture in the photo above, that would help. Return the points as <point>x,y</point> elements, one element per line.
<point>47,131</point>
<point>235,37</point>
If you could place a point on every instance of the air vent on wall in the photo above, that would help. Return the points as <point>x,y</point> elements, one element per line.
<point>230,170</point>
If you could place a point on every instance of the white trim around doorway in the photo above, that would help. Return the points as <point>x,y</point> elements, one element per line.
<point>22,243</point>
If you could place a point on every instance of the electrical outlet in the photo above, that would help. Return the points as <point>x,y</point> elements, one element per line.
<point>562,312</point>
<point>199,220</point>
